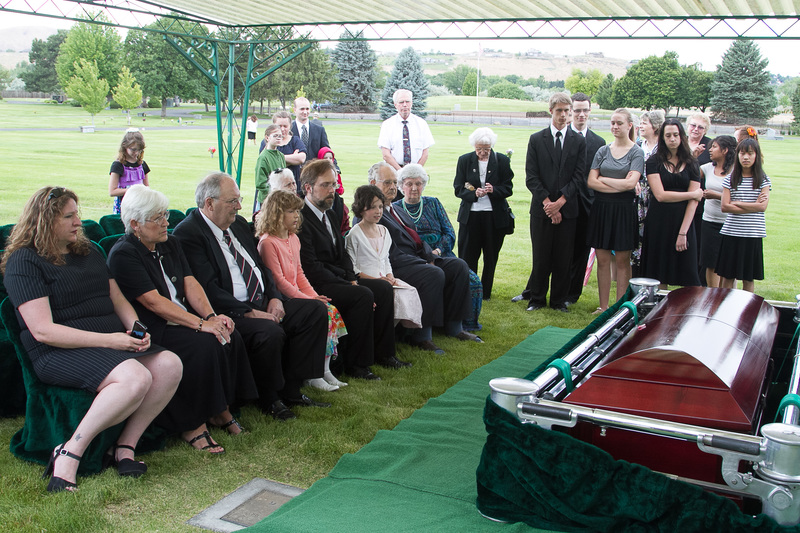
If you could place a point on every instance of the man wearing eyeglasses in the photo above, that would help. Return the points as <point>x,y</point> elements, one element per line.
<point>285,338</point>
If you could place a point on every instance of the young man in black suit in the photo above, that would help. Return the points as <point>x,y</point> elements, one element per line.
<point>313,135</point>
<point>581,108</point>
<point>285,340</point>
<point>554,168</point>
<point>366,305</point>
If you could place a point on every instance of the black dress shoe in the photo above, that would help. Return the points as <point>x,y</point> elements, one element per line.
<point>280,412</point>
<point>361,372</point>
<point>393,362</point>
<point>305,401</point>
<point>534,307</point>
<point>428,346</point>
<point>517,298</point>
<point>467,336</point>
<point>561,308</point>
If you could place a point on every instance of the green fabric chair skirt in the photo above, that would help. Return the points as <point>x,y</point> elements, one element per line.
<point>548,479</point>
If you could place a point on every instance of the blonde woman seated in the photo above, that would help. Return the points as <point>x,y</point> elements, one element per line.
<point>277,225</point>
<point>368,245</point>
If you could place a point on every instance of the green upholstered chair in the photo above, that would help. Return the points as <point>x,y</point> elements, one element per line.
<point>112,225</point>
<point>5,231</point>
<point>107,243</point>
<point>175,217</point>
<point>51,413</point>
<point>93,230</point>
<point>189,211</point>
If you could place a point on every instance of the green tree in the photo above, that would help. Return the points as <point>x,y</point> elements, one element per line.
<point>470,87</point>
<point>454,79</point>
<point>741,86</point>
<point>605,95</point>
<point>796,106</point>
<point>508,90</point>
<point>161,70</point>
<point>313,71</point>
<point>584,82</point>
<point>5,77</point>
<point>92,42</point>
<point>87,88</point>
<point>407,74</point>
<point>42,77</point>
<point>356,62</point>
<point>695,87</point>
<point>650,83</point>
<point>128,93</point>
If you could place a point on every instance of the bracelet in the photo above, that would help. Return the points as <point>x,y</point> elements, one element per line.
<point>681,235</point>
<point>210,315</point>
<point>199,326</point>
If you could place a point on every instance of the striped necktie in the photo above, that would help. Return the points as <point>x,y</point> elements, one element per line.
<point>254,293</point>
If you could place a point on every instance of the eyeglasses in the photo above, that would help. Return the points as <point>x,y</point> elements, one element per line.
<point>235,201</point>
<point>696,127</point>
<point>56,192</point>
<point>164,217</point>
<point>327,185</point>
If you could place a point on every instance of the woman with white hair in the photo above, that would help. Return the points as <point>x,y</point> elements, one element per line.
<point>434,227</point>
<point>155,277</point>
<point>483,182</point>
<point>282,179</point>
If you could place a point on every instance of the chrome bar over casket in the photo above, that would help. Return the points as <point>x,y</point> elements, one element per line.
<point>681,391</point>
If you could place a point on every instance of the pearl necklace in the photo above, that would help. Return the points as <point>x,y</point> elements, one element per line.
<point>416,218</point>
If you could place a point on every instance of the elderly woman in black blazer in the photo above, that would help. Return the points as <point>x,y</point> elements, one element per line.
<point>155,277</point>
<point>483,182</point>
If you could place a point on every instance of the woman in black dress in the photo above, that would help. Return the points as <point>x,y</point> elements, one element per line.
<point>74,320</point>
<point>154,275</point>
<point>669,251</point>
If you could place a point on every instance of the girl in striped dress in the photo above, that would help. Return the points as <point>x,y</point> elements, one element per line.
<point>745,196</point>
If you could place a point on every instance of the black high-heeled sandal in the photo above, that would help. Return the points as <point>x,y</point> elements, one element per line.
<point>126,467</point>
<point>58,484</point>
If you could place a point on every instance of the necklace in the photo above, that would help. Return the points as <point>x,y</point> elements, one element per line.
<point>416,218</point>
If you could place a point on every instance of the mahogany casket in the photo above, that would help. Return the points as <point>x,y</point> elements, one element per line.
<point>700,357</point>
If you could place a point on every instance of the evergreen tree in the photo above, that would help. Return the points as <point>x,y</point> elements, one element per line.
<point>407,74</point>
<point>741,88</point>
<point>42,77</point>
<point>796,106</point>
<point>356,62</point>
<point>470,86</point>
<point>87,88</point>
<point>127,93</point>
<point>605,96</point>
<point>92,42</point>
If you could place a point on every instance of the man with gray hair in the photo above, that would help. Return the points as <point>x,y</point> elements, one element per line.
<point>285,338</point>
<point>405,137</point>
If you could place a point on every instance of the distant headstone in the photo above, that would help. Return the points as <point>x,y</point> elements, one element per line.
<point>772,135</point>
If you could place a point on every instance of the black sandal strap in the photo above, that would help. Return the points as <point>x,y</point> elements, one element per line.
<point>204,435</point>
<point>69,454</point>
<point>125,446</point>
<point>232,422</point>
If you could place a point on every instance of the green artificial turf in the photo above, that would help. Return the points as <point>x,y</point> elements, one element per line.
<point>44,147</point>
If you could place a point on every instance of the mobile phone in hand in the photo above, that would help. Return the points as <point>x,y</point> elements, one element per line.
<point>138,330</point>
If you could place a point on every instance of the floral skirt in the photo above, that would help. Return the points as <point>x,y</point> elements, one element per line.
<point>336,329</point>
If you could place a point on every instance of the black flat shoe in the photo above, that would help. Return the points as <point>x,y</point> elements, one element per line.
<point>304,401</point>
<point>126,467</point>
<point>58,484</point>
<point>209,443</point>
<point>363,373</point>
<point>393,362</point>
<point>280,412</point>
<point>230,423</point>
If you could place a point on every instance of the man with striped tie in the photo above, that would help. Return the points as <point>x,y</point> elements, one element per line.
<point>285,338</point>
<point>405,137</point>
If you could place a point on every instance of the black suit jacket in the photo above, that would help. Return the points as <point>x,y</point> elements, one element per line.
<point>498,173</point>
<point>210,267</point>
<point>323,262</point>
<point>593,144</point>
<point>404,251</point>
<point>547,178</point>
<point>317,138</point>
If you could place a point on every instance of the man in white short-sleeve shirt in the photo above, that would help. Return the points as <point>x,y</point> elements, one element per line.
<point>405,137</point>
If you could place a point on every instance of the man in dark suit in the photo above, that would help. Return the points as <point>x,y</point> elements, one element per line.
<point>442,282</point>
<point>285,340</point>
<point>581,108</point>
<point>313,135</point>
<point>554,168</point>
<point>367,305</point>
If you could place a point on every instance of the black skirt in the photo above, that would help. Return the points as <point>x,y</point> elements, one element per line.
<point>741,258</point>
<point>710,243</point>
<point>613,224</point>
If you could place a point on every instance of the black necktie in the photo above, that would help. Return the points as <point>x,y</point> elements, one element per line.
<point>406,144</point>
<point>557,151</point>
<point>254,293</point>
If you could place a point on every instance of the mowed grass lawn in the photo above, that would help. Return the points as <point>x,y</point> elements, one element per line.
<point>44,147</point>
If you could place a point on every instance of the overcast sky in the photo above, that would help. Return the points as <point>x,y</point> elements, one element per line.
<point>708,52</point>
